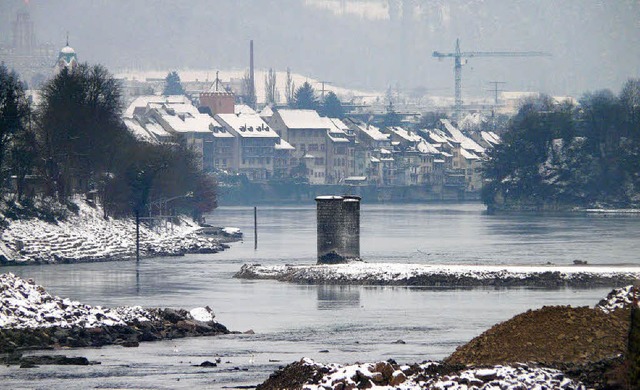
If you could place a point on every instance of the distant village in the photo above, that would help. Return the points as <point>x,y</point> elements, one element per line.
<point>276,144</point>
<point>267,143</point>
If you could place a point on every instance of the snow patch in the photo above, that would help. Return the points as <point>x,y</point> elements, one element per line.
<point>203,314</point>
<point>384,375</point>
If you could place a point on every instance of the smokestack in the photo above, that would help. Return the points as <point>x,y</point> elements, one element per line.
<point>252,87</point>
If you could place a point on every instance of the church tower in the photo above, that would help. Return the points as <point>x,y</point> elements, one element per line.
<point>66,59</point>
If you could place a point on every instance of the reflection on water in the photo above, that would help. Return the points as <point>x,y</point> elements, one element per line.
<point>353,323</point>
<point>337,297</point>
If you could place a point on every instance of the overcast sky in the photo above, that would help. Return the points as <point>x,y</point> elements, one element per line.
<point>357,43</point>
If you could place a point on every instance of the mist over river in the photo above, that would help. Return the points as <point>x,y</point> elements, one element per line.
<point>327,323</point>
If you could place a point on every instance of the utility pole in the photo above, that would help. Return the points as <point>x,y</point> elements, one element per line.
<point>496,90</point>
<point>323,83</point>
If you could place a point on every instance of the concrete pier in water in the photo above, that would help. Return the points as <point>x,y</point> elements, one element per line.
<point>338,219</point>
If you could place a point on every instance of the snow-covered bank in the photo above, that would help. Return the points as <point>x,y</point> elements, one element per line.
<point>26,305</point>
<point>87,236</point>
<point>32,318</point>
<point>444,275</point>
<point>427,375</point>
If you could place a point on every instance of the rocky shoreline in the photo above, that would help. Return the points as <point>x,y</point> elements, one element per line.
<point>361,273</point>
<point>30,318</point>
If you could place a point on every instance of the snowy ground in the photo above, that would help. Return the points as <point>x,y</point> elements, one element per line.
<point>87,236</point>
<point>441,275</point>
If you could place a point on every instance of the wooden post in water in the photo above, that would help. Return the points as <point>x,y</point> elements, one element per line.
<point>255,227</point>
<point>137,236</point>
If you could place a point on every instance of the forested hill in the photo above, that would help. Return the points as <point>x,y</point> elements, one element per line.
<point>561,155</point>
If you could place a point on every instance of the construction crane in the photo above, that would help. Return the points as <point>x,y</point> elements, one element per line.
<point>457,67</point>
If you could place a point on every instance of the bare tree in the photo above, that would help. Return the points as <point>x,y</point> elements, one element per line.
<point>290,88</point>
<point>249,90</point>
<point>270,90</point>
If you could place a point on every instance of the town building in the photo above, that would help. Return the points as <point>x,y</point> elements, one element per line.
<point>307,132</point>
<point>254,145</point>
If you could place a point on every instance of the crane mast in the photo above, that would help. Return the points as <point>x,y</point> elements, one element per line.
<point>457,65</point>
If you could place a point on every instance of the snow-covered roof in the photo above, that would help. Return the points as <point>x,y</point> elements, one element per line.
<point>457,136</point>
<point>405,134</point>
<point>154,128</point>
<point>373,132</point>
<point>336,131</point>
<point>339,124</point>
<point>468,154</point>
<point>374,160</point>
<point>266,112</point>
<point>437,136</point>
<point>186,122</point>
<point>138,131</point>
<point>302,119</point>
<point>490,137</point>
<point>243,109</point>
<point>425,147</point>
<point>175,108</point>
<point>144,101</point>
<point>246,125</point>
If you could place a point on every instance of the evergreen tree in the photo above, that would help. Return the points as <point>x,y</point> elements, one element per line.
<point>556,154</point>
<point>305,98</point>
<point>172,84</point>
<point>80,128</point>
<point>14,115</point>
<point>23,159</point>
<point>332,107</point>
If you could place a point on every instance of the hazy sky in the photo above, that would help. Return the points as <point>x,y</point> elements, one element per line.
<point>366,44</point>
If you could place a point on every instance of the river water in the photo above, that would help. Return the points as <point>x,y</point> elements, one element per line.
<point>327,323</point>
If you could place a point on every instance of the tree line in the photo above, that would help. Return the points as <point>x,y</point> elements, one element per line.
<point>75,142</point>
<point>564,154</point>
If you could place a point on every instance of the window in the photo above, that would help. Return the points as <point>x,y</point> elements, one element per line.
<point>313,147</point>
<point>322,147</point>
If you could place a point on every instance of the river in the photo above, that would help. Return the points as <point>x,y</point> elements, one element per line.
<point>326,323</point>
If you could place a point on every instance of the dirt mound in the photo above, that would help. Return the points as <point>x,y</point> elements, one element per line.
<point>552,334</point>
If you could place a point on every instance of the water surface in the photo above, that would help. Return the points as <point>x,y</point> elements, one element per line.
<point>352,323</point>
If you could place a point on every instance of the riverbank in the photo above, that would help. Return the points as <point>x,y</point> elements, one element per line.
<point>86,236</point>
<point>558,347</point>
<point>31,318</point>
<point>393,274</point>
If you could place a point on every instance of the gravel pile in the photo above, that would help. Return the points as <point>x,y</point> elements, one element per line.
<point>549,334</point>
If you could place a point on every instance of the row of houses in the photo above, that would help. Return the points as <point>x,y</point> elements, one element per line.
<point>286,143</point>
